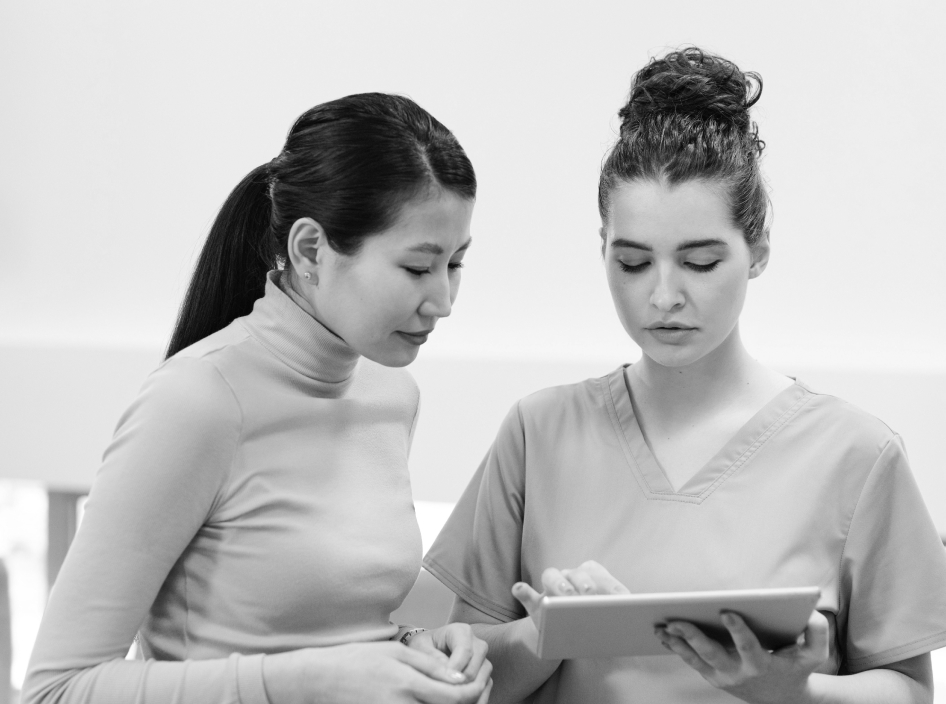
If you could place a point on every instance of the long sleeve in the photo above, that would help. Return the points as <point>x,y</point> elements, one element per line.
<point>255,500</point>
<point>161,477</point>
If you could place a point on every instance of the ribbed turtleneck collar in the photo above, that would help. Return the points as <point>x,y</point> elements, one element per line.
<point>298,339</point>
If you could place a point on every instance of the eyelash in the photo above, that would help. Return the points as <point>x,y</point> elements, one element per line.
<point>452,266</point>
<point>638,268</point>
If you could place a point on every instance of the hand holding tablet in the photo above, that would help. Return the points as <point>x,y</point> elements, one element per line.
<point>623,624</point>
<point>587,613</point>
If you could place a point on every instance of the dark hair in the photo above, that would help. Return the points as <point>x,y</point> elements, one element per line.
<point>687,118</point>
<point>350,164</point>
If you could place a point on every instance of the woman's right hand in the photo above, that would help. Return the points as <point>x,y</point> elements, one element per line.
<point>586,579</point>
<point>369,673</point>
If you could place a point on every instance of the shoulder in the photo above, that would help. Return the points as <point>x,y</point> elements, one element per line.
<point>844,423</point>
<point>187,391</point>
<point>551,409</point>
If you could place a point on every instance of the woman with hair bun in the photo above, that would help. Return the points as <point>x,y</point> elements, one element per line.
<point>697,468</point>
<point>252,526</point>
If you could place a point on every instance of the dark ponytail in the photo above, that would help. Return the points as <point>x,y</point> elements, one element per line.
<point>687,118</point>
<point>231,271</point>
<point>350,164</point>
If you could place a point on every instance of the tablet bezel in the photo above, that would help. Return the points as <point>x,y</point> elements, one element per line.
<point>623,625</point>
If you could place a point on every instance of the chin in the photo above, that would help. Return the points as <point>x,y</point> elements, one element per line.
<point>393,357</point>
<point>672,361</point>
<point>672,356</point>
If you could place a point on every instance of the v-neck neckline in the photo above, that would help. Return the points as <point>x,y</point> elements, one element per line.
<point>734,454</point>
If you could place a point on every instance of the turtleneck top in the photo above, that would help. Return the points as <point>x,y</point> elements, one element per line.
<point>255,499</point>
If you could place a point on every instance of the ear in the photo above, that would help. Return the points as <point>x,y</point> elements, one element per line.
<point>307,245</point>
<point>760,256</point>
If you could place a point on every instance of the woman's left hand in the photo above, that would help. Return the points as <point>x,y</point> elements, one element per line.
<point>456,645</point>
<point>749,671</point>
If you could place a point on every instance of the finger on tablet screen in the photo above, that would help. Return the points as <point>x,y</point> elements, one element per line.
<point>604,582</point>
<point>556,583</point>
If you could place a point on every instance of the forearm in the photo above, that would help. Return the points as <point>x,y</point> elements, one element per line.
<point>880,686</point>
<point>517,670</point>
<point>237,679</point>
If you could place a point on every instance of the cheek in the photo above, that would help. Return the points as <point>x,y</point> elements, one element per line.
<point>629,294</point>
<point>388,301</point>
<point>726,298</point>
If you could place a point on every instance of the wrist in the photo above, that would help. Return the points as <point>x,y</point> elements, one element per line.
<point>811,693</point>
<point>525,634</point>
<point>405,633</point>
<point>803,693</point>
<point>283,677</point>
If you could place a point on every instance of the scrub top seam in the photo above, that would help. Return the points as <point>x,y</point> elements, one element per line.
<point>485,605</point>
<point>625,445</point>
<point>900,652</point>
<point>679,497</point>
<point>766,435</point>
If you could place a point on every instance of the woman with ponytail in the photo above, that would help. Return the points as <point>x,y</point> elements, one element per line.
<point>252,526</point>
<point>697,468</point>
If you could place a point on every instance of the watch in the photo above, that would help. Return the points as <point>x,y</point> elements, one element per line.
<point>410,633</point>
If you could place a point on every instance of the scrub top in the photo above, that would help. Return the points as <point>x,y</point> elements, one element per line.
<point>810,492</point>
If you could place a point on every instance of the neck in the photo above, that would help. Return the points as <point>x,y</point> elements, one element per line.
<point>711,380</point>
<point>289,286</point>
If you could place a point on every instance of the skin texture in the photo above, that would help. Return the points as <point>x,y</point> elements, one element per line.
<point>403,280</point>
<point>693,388</point>
<point>390,287</point>
<point>672,286</point>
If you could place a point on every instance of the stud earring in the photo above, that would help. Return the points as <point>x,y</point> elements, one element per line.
<point>307,275</point>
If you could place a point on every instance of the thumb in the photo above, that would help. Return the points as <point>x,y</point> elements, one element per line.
<point>434,666</point>
<point>816,637</point>
<point>426,645</point>
<point>527,596</point>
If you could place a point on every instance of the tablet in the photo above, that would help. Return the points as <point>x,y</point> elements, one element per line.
<point>605,626</point>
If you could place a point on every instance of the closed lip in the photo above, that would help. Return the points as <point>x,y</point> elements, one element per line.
<point>419,333</point>
<point>670,326</point>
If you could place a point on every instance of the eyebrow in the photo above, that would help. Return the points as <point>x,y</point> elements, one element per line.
<point>683,246</point>
<point>436,249</point>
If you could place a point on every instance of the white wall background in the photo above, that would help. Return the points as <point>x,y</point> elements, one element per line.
<point>124,125</point>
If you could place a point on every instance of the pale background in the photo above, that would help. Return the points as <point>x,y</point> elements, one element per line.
<point>124,126</point>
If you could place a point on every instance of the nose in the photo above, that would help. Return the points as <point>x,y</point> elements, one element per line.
<point>438,299</point>
<point>668,292</point>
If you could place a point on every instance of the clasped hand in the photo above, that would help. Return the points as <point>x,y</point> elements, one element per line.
<point>747,671</point>
<point>461,654</point>
<point>445,666</point>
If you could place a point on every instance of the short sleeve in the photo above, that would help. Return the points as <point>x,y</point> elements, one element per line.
<point>893,570</point>
<point>477,554</point>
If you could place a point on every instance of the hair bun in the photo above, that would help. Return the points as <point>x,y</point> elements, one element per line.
<point>694,83</point>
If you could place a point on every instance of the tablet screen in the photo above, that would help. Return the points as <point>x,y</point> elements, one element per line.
<point>623,625</point>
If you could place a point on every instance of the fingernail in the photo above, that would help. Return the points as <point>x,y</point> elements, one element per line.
<point>456,676</point>
<point>586,588</point>
<point>566,587</point>
<point>672,629</point>
<point>728,619</point>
